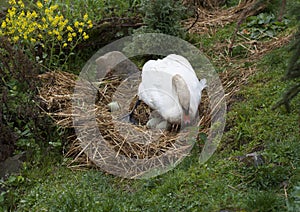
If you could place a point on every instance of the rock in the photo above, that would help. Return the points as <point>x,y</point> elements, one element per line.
<point>117,64</point>
<point>258,159</point>
<point>252,159</point>
<point>113,106</point>
<point>153,122</point>
<point>162,125</point>
<point>11,165</point>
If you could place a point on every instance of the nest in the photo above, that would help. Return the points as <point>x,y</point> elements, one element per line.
<point>119,139</point>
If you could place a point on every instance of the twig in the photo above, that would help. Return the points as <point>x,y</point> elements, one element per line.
<point>196,20</point>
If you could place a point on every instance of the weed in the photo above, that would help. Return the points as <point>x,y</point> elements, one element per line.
<point>263,25</point>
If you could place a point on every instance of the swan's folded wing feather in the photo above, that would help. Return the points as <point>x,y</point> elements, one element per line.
<point>156,87</point>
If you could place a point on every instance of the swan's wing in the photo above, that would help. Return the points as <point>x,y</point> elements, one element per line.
<point>154,76</point>
<point>196,93</point>
<point>181,62</point>
<point>156,89</point>
<point>156,86</point>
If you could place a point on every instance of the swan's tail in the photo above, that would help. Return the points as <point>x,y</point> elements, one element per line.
<point>202,84</point>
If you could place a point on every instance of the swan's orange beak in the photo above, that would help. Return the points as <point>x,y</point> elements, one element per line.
<point>186,119</point>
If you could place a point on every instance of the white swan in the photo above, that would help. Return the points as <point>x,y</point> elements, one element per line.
<point>171,87</point>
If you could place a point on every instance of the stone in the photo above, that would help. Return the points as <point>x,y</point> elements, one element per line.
<point>162,125</point>
<point>116,64</point>
<point>153,122</point>
<point>114,106</point>
<point>11,165</point>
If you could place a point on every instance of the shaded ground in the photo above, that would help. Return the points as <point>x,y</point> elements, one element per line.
<point>7,143</point>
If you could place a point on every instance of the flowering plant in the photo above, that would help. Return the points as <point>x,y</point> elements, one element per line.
<point>44,25</point>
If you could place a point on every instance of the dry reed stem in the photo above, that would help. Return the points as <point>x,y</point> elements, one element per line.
<point>210,20</point>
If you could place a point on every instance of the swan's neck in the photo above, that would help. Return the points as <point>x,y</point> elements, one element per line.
<point>181,90</point>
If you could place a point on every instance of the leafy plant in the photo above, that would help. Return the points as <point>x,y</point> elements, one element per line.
<point>263,25</point>
<point>44,31</point>
<point>20,113</point>
<point>293,70</point>
<point>162,16</point>
<point>293,204</point>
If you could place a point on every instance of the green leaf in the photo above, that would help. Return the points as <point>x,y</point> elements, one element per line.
<point>270,33</point>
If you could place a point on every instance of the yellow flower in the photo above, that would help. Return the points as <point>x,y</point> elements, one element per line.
<point>39,26</point>
<point>90,24</point>
<point>46,23</point>
<point>12,2</point>
<point>11,11</point>
<point>33,14</point>
<point>55,32</point>
<point>61,28</point>
<point>55,21</point>
<point>45,26</point>
<point>28,15</point>
<point>53,7</point>
<point>62,25</point>
<point>61,17</point>
<point>76,24</point>
<point>21,4</point>
<point>3,25</point>
<point>69,28</point>
<point>12,31</point>
<point>85,17</point>
<point>39,4</point>
<point>48,12</point>
<point>85,36</point>
<point>50,18</point>
<point>15,38</point>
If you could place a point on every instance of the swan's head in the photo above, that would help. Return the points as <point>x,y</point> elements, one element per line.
<point>181,89</point>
